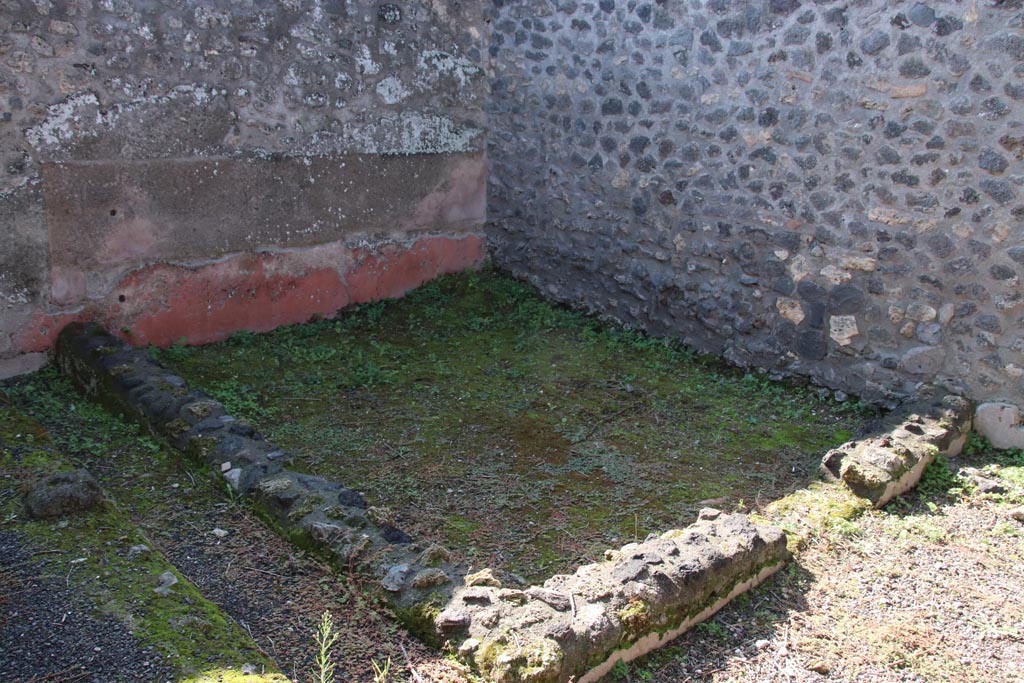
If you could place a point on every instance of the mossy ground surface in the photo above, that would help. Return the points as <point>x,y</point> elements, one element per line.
<point>522,435</point>
<point>109,566</point>
<point>261,598</point>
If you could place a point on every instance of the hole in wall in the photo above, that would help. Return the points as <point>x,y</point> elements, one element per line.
<point>122,298</point>
<point>113,212</point>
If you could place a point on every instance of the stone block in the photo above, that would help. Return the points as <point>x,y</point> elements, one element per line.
<point>577,627</point>
<point>890,463</point>
<point>63,494</point>
<point>1000,423</point>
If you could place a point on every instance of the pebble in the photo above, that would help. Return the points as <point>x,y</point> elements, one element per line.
<point>819,666</point>
<point>167,579</point>
<point>1018,513</point>
<point>219,533</point>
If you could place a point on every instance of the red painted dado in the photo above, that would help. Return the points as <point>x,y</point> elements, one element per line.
<point>162,303</point>
<point>41,330</point>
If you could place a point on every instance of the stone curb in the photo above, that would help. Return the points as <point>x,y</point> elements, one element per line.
<point>310,510</point>
<point>641,597</point>
<point>577,627</point>
<point>880,468</point>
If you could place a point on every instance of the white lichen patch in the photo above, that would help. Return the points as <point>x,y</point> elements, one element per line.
<point>392,90</point>
<point>411,133</point>
<point>434,64</point>
<point>63,121</point>
<point>364,60</point>
<point>80,116</point>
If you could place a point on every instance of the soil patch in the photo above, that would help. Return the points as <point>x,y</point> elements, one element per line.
<point>929,589</point>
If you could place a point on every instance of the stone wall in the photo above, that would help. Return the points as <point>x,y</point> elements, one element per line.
<point>182,168</point>
<point>824,189</point>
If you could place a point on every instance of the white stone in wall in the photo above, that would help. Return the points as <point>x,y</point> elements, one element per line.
<point>842,328</point>
<point>865,263</point>
<point>835,275</point>
<point>790,309</point>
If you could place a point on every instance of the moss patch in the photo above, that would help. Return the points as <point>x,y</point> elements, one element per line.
<point>114,565</point>
<point>531,436</point>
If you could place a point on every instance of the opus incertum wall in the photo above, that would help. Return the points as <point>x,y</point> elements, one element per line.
<point>818,188</point>
<point>187,169</point>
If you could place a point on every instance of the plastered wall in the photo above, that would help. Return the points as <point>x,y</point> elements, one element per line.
<point>184,169</point>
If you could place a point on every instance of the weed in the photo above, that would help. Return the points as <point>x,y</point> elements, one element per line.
<point>177,352</point>
<point>976,443</point>
<point>620,671</point>
<point>939,480</point>
<point>713,629</point>
<point>325,638</point>
<point>381,673</point>
<point>240,399</point>
<point>243,339</point>
<point>845,527</point>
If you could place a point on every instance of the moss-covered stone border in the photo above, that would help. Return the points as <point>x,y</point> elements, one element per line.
<point>313,512</point>
<point>880,468</point>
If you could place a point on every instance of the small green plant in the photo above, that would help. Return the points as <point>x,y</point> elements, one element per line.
<point>713,629</point>
<point>178,351</point>
<point>240,400</point>
<point>620,672</point>
<point>243,339</point>
<point>325,639</point>
<point>939,480</point>
<point>976,443</point>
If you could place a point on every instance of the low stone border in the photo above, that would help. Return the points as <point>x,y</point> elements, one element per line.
<point>310,510</point>
<point>882,467</point>
<point>644,595</point>
<point>641,597</point>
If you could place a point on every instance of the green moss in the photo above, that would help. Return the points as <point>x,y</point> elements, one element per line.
<point>308,504</point>
<point>220,675</point>
<point>419,618</point>
<point>535,662</point>
<point>819,509</point>
<point>176,428</point>
<point>188,629</point>
<point>635,618</point>
<point>119,566</point>
<point>522,435</point>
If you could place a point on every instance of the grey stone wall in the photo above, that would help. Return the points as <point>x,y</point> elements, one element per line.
<point>818,188</point>
<point>113,95</point>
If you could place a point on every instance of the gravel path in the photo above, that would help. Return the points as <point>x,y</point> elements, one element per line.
<point>929,590</point>
<point>48,634</point>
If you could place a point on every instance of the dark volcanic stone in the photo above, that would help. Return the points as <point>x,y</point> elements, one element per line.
<point>63,494</point>
<point>812,345</point>
<point>875,42</point>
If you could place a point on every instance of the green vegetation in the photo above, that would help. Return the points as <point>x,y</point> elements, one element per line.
<point>325,639</point>
<point>526,436</point>
<point>113,563</point>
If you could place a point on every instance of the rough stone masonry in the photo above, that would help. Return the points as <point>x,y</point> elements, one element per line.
<point>818,188</point>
